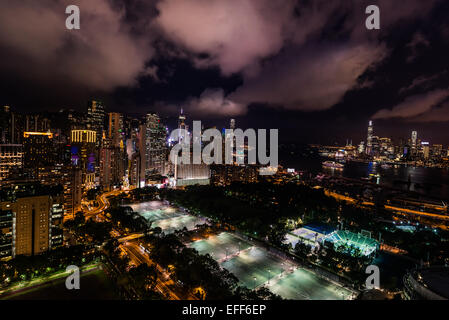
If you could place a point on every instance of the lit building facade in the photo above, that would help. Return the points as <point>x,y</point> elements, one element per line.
<point>11,126</point>
<point>83,150</point>
<point>155,145</point>
<point>11,159</point>
<point>116,129</point>
<point>39,150</point>
<point>191,174</point>
<point>226,174</point>
<point>369,140</point>
<point>31,218</point>
<point>96,117</point>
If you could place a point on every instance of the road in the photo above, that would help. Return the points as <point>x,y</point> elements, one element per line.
<point>138,256</point>
<point>103,205</point>
<point>395,209</point>
<point>134,252</point>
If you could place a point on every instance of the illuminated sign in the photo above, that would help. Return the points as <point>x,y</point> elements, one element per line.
<point>28,134</point>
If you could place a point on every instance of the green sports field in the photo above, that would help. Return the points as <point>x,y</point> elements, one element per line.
<point>255,267</point>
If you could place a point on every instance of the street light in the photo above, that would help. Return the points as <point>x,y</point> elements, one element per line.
<point>255,283</point>
<point>269,276</point>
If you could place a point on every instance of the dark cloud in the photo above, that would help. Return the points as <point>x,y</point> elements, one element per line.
<point>304,57</point>
<point>308,59</point>
<point>311,80</point>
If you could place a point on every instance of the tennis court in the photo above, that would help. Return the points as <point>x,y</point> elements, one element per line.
<point>255,267</point>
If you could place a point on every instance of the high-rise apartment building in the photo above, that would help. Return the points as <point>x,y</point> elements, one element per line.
<point>425,150</point>
<point>155,145</point>
<point>31,218</point>
<point>222,174</point>
<point>11,126</point>
<point>96,117</point>
<point>112,165</point>
<point>437,151</point>
<point>116,129</point>
<point>11,159</point>
<point>84,155</point>
<point>141,149</point>
<point>72,181</point>
<point>113,157</point>
<point>39,150</point>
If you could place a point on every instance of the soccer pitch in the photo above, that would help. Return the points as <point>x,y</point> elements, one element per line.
<point>255,267</point>
<point>166,217</point>
<point>218,246</point>
<point>156,210</point>
<point>303,284</point>
<point>177,223</point>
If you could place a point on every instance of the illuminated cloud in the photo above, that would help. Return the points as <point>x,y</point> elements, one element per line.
<point>232,34</point>
<point>214,102</point>
<point>415,105</point>
<point>103,54</point>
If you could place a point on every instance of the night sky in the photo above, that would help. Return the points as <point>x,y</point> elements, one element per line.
<point>309,68</point>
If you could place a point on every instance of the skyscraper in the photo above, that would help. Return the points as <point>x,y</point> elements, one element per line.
<point>425,150</point>
<point>437,151</point>
<point>39,150</point>
<point>414,138</point>
<point>369,140</point>
<point>11,158</point>
<point>116,129</point>
<point>11,126</point>
<point>155,145</point>
<point>232,124</point>
<point>84,154</point>
<point>31,219</point>
<point>181,126</point>
<point>96,119</point>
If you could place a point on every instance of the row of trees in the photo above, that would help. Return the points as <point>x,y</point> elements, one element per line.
<point>126,219</point>
<point>88,231</point>
<point>23,268</point>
